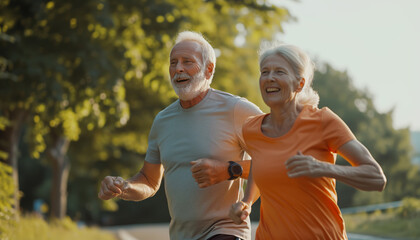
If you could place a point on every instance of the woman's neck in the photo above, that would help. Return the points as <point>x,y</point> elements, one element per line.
<point>280,114</point>
<point>191,103</point>
<point>281,119</point>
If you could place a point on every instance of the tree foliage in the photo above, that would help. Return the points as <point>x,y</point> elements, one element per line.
<point>81,82</point>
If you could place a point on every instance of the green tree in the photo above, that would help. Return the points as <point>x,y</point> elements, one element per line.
<point>11,118</point>
<point>65,78</point>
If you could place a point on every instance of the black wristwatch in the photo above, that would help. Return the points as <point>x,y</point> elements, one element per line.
<point>234,170</point>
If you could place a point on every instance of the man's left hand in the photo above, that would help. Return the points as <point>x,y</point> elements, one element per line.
<point>207,172</point>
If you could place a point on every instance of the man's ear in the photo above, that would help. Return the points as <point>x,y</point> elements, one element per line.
<point>209,70</point>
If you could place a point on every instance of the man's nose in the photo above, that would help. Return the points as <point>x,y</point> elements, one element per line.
<point>179,67</point>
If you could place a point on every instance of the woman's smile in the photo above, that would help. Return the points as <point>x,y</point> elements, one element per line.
<point>272,89</point>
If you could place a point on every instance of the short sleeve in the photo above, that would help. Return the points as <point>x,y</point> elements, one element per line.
<point>335,131</point>
<point>153,153</point>
<point>242,111</point>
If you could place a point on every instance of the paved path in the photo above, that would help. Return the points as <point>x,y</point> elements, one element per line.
<point>160,232</point>
<point>354,236</point>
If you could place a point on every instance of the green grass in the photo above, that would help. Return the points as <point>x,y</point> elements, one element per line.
<point>387,224</point>
<point>34,228</point>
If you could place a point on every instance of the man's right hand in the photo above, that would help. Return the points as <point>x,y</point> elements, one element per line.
<point>112,187</point>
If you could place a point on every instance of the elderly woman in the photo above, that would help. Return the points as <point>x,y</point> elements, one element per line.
<point>293,150</point>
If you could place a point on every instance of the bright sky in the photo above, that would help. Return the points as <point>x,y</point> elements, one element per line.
<point>376,41</point>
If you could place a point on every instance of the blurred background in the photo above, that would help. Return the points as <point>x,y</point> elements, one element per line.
<point>81,82</point>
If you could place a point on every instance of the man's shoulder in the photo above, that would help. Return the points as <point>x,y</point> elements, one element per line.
<point>225,96</point>
<point>240,106</point>
<point>169,110</point>
<point>237,102</point>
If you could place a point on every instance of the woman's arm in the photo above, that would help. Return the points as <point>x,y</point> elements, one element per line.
<point>364,174</point>
<point>241,210</point>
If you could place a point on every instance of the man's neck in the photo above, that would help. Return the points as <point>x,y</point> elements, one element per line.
<point>194,101</point>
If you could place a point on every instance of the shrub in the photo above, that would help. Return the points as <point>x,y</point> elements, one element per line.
<point>410,208</point>
<point>33,227</point>
<point>6,198</point>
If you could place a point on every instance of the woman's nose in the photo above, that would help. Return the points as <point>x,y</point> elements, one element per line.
<point>270,77</point>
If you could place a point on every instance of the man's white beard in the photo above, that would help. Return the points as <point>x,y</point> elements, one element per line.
<point>197,85</point>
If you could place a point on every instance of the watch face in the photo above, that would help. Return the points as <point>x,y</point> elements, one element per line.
<point>236,169</point>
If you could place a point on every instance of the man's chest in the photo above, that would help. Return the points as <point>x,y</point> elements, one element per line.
<point>186,139</point>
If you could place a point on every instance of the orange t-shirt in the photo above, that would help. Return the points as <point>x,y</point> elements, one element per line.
<point>297,208</point>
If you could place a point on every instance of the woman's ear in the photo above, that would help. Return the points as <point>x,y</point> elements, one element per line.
<point>301,84</point>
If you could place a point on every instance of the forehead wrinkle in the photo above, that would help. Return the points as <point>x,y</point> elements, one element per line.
<point>193,48</point>
<point>277,62</point>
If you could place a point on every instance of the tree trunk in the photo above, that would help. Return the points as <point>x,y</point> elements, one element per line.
<point>61,169</point>
<point>9,142</point>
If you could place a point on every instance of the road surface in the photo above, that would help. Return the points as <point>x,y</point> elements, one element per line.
<point>160,232</point>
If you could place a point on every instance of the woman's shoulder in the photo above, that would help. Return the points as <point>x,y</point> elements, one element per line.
<point>312,111</point>
<point>326,116</point>
<point>311,114</point>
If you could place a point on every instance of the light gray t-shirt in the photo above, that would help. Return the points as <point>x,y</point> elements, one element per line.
<point>211,129</point>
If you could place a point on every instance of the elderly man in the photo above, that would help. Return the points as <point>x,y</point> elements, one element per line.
<point>196,142</point>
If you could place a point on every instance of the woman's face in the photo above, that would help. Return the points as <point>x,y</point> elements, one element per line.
<point>278,83</point>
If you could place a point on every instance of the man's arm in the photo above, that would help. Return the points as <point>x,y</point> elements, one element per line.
<point>207,172</point>
<point>139,187</point>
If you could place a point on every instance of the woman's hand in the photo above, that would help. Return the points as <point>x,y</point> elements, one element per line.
<point>239,212</point>
<point>304,166</point>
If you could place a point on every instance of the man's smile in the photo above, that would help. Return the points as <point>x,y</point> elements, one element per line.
<point>179,80</point>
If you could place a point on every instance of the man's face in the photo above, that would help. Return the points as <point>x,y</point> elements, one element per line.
<point>187,71</point>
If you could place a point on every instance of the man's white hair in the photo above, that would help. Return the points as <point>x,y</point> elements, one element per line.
<point>208,54</point>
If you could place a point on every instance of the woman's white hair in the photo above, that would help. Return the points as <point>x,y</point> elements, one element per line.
<point>302,66</point>
<point>209,56</point>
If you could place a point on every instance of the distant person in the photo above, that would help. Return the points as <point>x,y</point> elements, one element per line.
<point>293,150</point>
<point>196,142</point>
